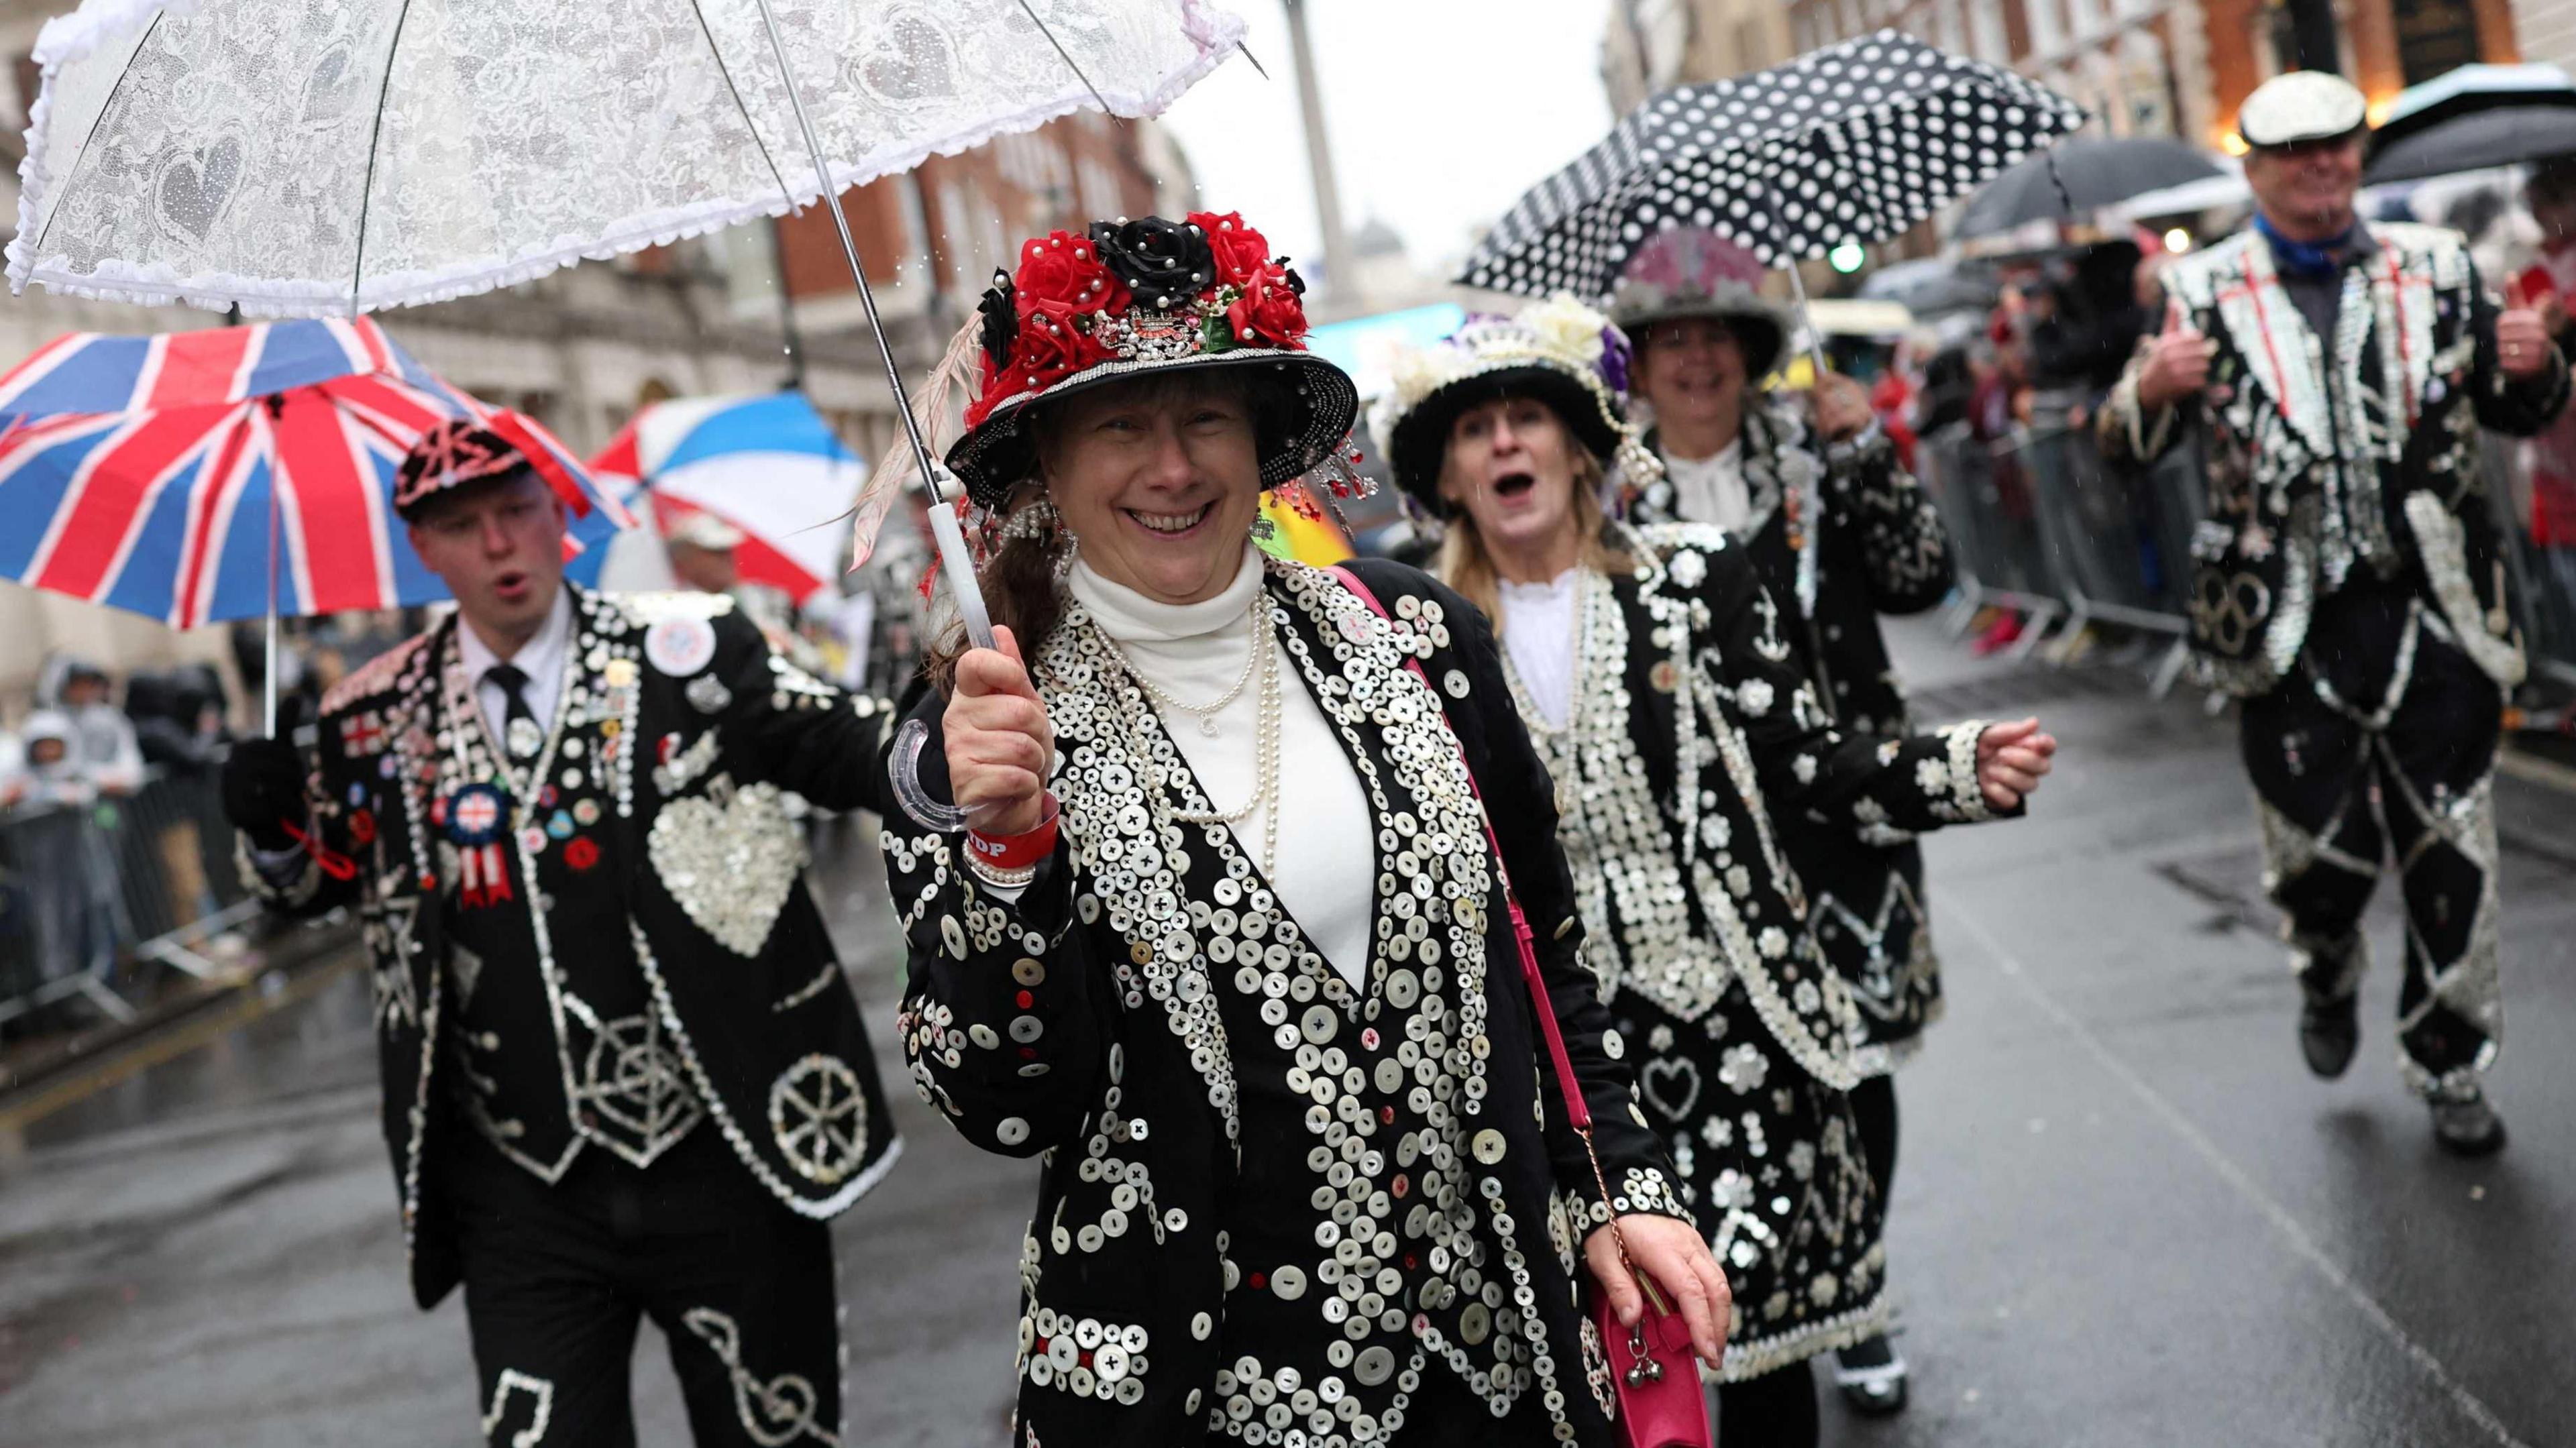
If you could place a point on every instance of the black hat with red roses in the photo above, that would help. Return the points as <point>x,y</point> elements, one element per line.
<point>1151,296</point>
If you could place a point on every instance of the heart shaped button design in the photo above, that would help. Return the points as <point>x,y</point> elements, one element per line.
<point>1671,1086</point>
<point>729,866</point>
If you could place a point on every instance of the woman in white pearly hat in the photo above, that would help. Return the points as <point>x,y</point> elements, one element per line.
<point>1659,678</point>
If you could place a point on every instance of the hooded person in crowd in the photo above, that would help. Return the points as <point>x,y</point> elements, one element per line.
<point>2347,584</point>
<point>1656,673</point>
<point>1839,533</point>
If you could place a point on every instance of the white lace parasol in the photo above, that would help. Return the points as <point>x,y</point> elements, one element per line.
<point>325,157</point>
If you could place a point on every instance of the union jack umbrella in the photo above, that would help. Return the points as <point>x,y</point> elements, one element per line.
<point>195,477</point>
<point>139,471</point>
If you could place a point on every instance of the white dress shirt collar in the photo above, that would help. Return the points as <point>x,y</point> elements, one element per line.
<point>540,658</point>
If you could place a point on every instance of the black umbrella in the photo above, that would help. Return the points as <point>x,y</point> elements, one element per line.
<point>2501,137</point>
<point>2471,118</point>
<point>1932,286</point>
<point>2081,175</point>
<point>1852,143</point>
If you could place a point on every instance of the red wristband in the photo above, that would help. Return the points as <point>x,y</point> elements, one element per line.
<point>1017,852</point>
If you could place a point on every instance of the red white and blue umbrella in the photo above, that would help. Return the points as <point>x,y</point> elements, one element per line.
<point>770,465</point>
<point>139,471</point>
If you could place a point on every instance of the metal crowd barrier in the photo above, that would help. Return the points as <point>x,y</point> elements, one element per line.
<point>2044,528</point>
<point>89,891</point>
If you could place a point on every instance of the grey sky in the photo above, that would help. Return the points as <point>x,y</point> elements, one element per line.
<point>1442,112</point>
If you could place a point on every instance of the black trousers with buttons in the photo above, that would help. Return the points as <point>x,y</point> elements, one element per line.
<point>2350,779</point>
<point>557,1277</point>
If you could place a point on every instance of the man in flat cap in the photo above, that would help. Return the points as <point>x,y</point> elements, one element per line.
<point>624,1075</point>
<point>2347,586</point>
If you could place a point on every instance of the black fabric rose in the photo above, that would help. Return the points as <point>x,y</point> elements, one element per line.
<point>1001,311</point>
<point>1165,263</point>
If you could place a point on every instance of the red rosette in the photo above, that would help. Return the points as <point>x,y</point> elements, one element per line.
<point>1240,251</point>
<point>1270,313</point>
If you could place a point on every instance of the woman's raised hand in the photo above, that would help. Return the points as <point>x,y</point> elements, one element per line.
<point>1671,1252</point>
<point>1000,746</point>
<point>2011,758</point>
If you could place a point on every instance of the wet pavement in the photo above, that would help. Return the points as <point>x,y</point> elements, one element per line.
<point>2124,1213</point>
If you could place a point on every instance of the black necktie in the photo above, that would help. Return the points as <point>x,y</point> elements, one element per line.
<point>521,735</point>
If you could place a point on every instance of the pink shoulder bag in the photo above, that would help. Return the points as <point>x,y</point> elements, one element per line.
<point>1657,1378</point>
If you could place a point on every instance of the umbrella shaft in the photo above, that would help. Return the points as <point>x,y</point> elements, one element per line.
<point>850,252</point>
<point>268,687</point>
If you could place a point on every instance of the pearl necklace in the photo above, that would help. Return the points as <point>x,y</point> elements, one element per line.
<point>1206,713</point>
<point>1264,666</point>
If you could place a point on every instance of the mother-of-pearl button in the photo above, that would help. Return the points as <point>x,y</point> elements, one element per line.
<point>1289,1283</point>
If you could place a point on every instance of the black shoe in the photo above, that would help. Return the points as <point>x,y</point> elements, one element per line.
<point>1872,1378</point>
<point>2329,1033</point>
<point>2468,1128</point>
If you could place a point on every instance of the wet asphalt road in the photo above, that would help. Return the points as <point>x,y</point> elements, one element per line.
<point>2124,1214</point>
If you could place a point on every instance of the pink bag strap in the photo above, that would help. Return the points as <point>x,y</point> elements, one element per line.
<point>1578,1111</point>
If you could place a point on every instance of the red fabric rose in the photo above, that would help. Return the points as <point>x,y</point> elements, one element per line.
<point>1241,252</point>
<point>1270,313</point>
<point>1051,348</point>
<point>1063,267</point>
<point>580,853</point>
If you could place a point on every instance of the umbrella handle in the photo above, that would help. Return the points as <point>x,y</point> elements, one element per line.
<point>959,566</point>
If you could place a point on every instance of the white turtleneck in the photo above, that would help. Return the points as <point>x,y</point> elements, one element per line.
<point>1538,633</point>
<point>1326,872</point>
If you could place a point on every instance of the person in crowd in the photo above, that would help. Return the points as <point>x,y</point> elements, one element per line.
<point>705,557</point>
<point>2549,458</point>
<point>178,721</point>
<point>2080,347</point>
<point>1668,699</point>
<point>1224,941</point>
<point>1839,533</point>
<point>1949,382</point>
<point>104,750</point>
<point>2347,585</point>
<point>623,1073</point>
<point>69,866</point>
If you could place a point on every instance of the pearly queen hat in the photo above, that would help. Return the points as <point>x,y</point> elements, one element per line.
<point>2303,105</point>
<point>1690,272</point>
<point>1559,351</point>
<point>1130,298</point>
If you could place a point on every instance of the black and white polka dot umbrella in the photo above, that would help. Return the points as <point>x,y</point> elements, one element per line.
<point>1855,142</point>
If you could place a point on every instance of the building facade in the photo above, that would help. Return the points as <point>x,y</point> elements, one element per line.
<point>2547,31</point>
<point>2143,67</point>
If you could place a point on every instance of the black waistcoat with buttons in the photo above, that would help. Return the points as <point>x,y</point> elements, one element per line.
<point>657,913</point>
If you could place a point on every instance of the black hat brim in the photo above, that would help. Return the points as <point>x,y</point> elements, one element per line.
<point>1420,443</point>
<point>1320,402</point>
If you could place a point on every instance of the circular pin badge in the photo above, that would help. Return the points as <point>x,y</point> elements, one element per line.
<point>680,647</point>
<point>476,814</point>
<point>585,812</point>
